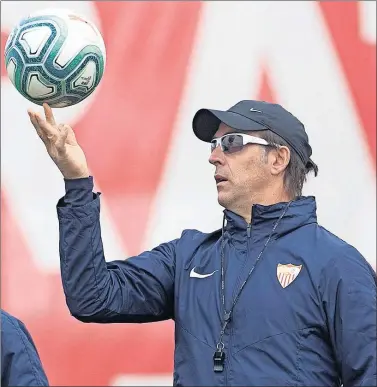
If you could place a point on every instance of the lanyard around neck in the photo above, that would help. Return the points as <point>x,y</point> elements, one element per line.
<point>219,356</point>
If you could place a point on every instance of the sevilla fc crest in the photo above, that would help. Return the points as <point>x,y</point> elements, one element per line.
<point>287,273</point>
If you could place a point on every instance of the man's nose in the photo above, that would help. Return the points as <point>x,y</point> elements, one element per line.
<point>216,156</point>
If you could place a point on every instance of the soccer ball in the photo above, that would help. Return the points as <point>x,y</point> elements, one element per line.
<point>55,56</point>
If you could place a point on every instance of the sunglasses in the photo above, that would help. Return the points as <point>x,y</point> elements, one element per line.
<point>234,142</point>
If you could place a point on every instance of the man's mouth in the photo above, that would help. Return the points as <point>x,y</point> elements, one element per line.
<point>219,178</point>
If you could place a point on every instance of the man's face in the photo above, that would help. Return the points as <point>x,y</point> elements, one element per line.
<point>240,176</point>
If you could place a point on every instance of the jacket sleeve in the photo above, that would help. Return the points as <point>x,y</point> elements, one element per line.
<point>349,300</point>
<point>20,362</point>
<point>137,289</point>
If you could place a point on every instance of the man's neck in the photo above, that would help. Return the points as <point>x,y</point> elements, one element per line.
<point>265,200</point>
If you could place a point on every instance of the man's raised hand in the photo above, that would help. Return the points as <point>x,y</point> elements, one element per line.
<point>61,144</point>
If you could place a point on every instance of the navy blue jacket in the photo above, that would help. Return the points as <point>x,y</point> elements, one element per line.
<point>20,362</point>
<point>306,317</point>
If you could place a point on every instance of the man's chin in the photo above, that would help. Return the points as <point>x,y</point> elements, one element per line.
<point>223,199</point>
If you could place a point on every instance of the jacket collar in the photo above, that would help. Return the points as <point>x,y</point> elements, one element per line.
<point>301,211</point>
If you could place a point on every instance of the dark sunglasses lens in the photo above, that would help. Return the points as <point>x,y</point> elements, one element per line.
<point>213,145</point>
<point>232,143</point>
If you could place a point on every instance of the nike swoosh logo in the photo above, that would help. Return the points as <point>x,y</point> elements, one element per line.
<point>255,110</point>
<point>194,274</point>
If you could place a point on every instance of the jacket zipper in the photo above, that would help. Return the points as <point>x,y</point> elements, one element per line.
<point>248,229</point>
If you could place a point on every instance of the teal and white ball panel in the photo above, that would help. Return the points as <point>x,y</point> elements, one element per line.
<point>55,57</point>
<point>39,85</point>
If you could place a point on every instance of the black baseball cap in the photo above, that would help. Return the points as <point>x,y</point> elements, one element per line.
<point>249,115</point>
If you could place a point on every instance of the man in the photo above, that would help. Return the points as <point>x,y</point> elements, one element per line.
<point>20,362</point>
<point>271,299</point>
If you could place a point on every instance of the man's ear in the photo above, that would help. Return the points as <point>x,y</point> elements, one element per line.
<point>280,159</point>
